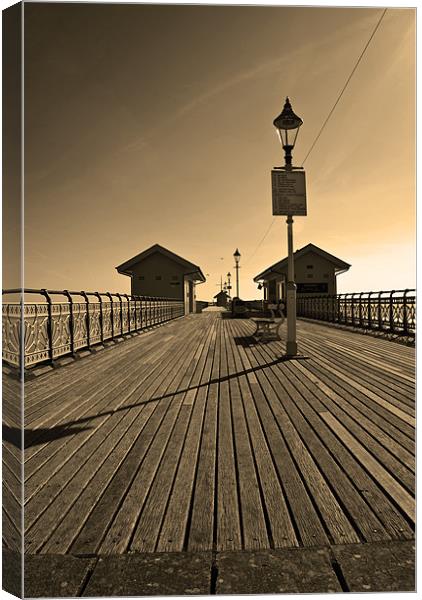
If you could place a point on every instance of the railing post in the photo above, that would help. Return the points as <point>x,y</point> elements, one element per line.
<point>391,312</point>
<point>98,295</point>
<point>141,312</point>
<point>128,312</point>
<point>405,327</point>
<point>370,310</point>
<point>360,310</point>
<point>45,293</point>
<point>134,299</point>
<point>345,308</point>
<point>88,320</point>
<point>111,314</point>
<point>379,311</point>
<point>338,320</point>
<point>71,322</point>
<point>121,313</point>
<point>22,348</point>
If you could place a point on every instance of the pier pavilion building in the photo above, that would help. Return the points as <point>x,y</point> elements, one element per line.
<point>316,274</point>
<point>160,272</point>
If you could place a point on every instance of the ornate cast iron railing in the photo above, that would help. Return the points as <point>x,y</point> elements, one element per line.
<point>391,312</point>
<point>54,328</point>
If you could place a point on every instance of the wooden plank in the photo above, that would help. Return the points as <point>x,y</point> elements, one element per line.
<point>49,506</point>
<point>282,532</point>
<point>254,530</point>
<point>174,530</point>
<point>63,535</point>
<point>404,416</point>
<point>201,530</point>
<point>119,534</point>
<point>120,374</point>
<point>324,392</point>
<point>390,372</point>
<point>365,502</point>
<point>99,520</point>
<point>148,527</point>
<point>140,381</point>
<point>392,425</point>
<point>306,520</point>
<point>379,473</point>
<point>11,535</point>
<point>94,528</point>
<point>357,509</point>
<point>228,524</point>
<point>353,370</point>
<point>49,391</point>
<point>339,527</point>
<point>380,453</point>
<point>208,443</point>
<point>113,362</point>
<point>394,388</point>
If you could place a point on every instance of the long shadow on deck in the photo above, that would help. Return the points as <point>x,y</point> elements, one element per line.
<point>46,435</point>
<point>33,437</point>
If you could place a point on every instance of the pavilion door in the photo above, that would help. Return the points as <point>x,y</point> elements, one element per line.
<point>186,296</point>
<point>280,290</point>
<point>272,291</point>
<point>191,296</point>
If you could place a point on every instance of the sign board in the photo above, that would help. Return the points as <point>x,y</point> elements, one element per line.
<point>312,288</point>
<point>289,192</point>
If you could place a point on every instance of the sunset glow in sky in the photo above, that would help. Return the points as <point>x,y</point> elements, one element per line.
<point>153,124</point>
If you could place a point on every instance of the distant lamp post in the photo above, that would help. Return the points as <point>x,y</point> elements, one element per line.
<point>287,125</point>
<point>236,256</point>
<point>229,285</point>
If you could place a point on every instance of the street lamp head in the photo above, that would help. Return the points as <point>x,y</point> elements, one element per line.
<point>237,256</point>
<point>287,124</point>
<point>229,274</point>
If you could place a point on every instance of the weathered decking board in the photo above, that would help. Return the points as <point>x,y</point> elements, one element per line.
<point>193,437</point>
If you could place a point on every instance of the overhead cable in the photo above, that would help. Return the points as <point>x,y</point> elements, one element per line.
<point>345,86</point>
<point>328,117</point>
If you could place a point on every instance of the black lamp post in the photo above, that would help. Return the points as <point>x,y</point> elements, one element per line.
<point>287,125</point>
<point>236,256</point>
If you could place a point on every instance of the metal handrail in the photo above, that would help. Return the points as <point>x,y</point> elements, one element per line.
<point>53,329</point>
<point>392,311</point>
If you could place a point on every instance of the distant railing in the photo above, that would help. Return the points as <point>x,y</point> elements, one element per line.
<point>54,328</point>
<point>390,312</point>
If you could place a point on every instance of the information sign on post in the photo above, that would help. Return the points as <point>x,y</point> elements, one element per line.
<point>289,192</point>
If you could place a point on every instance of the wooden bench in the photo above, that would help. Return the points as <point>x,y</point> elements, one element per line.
<point>267,328</point>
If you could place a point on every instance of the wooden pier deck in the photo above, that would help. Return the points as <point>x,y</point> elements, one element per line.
<point>192,438</point>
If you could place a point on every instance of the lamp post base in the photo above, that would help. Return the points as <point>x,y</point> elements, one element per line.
<point>294,357</point>
<point>291,348</point>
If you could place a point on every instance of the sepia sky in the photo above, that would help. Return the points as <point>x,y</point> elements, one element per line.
<point>153,124</point>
